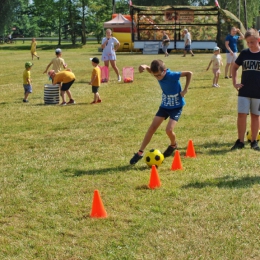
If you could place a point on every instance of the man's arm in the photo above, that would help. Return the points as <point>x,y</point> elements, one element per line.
<point>241,35</point>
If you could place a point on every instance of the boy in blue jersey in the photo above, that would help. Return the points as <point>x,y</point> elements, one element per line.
<point>171,105</point>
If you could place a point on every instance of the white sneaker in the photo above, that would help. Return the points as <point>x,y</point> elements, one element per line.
<point>214,85</point>
<point>217,85</point>
<point>119,78</point>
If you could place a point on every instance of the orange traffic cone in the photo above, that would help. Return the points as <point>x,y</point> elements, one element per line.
<point>154,178</point>
<point>190,150</point>
<point>176,163</point>
<point>98,210</point>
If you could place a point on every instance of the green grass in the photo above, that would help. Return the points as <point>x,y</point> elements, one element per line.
<point>53,158</point>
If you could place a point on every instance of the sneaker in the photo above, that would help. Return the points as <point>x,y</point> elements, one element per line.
<point>217,85</point>
<point>99,101</point>
<point>38,58</point>
<point>71,101</point>
<point>136,158</point>
<point>169,151</point>
<point>238,145</point>
<point>230,77</point>
<point>214,85</point>
<point>254,146</point>
<point>192,55</point>
<point>119,78</point>
<point>25,100</point>
<point>226,77</point>
<point>93,102</point>
<point>63,104</point>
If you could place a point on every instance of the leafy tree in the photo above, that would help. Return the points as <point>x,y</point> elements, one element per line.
<point>7,14</point>
<point>99,11</point>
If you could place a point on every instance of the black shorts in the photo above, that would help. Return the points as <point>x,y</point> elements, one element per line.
<point>173,113</point>
<point>66,86</point>
<point>95,89</point>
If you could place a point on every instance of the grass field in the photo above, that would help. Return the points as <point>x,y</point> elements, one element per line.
<point>53,158</point>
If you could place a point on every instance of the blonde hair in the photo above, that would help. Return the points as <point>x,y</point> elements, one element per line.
<point>252,32</point>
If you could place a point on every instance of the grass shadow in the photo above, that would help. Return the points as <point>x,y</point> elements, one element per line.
<point>225,182</point>
<point>110,170</point>
<point>215,148</point>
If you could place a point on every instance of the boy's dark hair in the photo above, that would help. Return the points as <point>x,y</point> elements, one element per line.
<point>157,65</point>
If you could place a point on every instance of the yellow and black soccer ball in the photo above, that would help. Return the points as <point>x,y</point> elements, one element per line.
<point>153,157</point>
<point>249,136</point>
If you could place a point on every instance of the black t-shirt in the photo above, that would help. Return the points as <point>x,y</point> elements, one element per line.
<point>250,63</point>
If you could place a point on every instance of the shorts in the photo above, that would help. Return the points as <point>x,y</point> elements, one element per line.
<point>164,48</point>
<point>216,71</point>
<point>66,86</point>
<point>231,58</point>
<point>107,55</point>
<point>173,113</point>
<point>27,88</point>
<point>95,89</point>
<point>187,47</point>
<point>245,104</point>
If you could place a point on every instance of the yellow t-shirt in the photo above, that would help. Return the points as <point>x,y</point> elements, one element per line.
<point>64,76</point>
<point>96,73</point>
<point>33,47</point>
<point>26,75</point>
<point>57,64</point>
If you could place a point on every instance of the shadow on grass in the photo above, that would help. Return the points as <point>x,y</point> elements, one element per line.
<point>214,148</point>
<point>110,170</point>
<point>226,182</point>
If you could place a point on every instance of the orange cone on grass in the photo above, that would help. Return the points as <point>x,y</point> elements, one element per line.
<point>154,178</point>
<point>98,210</point>
<point>176,162</point>
<point>190,150</point>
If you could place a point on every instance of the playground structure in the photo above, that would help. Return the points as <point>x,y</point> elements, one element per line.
<point>143,28</point>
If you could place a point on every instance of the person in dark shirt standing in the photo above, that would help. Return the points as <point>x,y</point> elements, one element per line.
<point>248,89</point>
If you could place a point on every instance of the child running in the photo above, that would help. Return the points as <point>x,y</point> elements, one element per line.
<point>95,80</point>
<point>33,49</point>
<point>171,105</point>
<point>216,59</point>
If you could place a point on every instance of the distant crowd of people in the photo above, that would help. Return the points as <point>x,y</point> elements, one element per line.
<point>248,87</point>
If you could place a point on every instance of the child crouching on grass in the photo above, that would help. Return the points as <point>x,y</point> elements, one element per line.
<point>171,105</point>
<point>95,80</point>
<point>27,82</point>
<point>216,59</point>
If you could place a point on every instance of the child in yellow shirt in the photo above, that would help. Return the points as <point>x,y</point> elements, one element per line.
<point>95,80</point>
<point>33,49</point>
<point>27,82</point>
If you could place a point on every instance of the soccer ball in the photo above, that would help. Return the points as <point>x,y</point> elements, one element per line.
<point>249,136</point>
<point>154,157</point>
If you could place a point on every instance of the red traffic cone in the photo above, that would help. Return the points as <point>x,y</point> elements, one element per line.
<point>176,162</point>
<point>190,150</point>
<point>98,210</point>
<point>154,178</point>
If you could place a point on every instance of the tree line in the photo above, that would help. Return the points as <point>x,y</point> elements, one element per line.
<point>70,19</point>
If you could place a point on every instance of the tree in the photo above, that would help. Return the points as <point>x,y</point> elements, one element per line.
<point>7,14</point>
<point>99,11</point>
